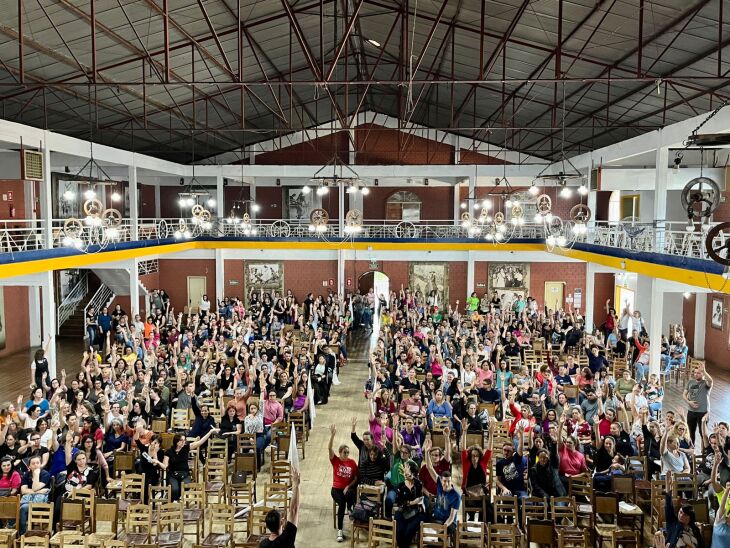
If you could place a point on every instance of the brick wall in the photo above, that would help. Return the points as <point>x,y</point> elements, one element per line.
<point>437,202</point>
<point>18,202</point>
<point>17,322</point>
<point>471,157</point>
<point>174,274</point>
<point>233,272</point>
<point>716,340</point>
<point>317,151</point>
<point>377,145</point>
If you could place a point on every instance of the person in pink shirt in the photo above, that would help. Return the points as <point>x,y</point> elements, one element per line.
<point>273,410</point>
<point>382,433</point>
<point>572,461</point>
<point>9,477</point>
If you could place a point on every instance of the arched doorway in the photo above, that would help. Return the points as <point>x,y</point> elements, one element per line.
<point>380,284</point>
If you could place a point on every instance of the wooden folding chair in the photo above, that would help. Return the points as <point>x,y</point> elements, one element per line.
<point>470,534</point>
<point>503,536</point>
<point>563,511</point>
<point>138,524</point>
<point>625,538</point>
<point>606,516</point>
<point>573,537</point>
<point>540,532</point>
<point>193,498</point>
<point>88,495</point>
<point>9,511</point>
<point>216,479</point>
<point>105,523</point>
<point>132,492</point>
<point>506,510</point>
<point>40,519</point>
<point>535,508</point>
<point>73,515</point>
<point>241,497</point>
<point>169,524</point>
<point>361,528</point>
<point>34,541</point>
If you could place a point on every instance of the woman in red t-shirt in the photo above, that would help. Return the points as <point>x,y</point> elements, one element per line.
<point>344,480</point>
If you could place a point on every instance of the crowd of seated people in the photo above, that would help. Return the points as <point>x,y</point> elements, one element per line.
<point>165,388</point>
<point>544,415</point>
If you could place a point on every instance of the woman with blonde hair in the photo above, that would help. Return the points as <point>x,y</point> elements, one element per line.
<point>681,431</point>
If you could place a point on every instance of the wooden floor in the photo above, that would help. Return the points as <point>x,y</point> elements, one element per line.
<point>345,402</point>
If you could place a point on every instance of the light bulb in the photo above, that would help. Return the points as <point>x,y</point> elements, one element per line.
<point>351,189</point>
<point>487,204</point>
<point>255,208</point>
<point>690,226</point>
<point>306,189</point>
<point>508,203</point>
<point>116,196</point>
<point>211,202</point>
<point>548,217</point>
<point>182,202</point>
<point>477,206</point>
<point>69,195</point>
<point>562,241</point>
<point>687,294</point>
<point>538,218</point>
<point>550,240</point>
<point>187,234</point>
<point>498,236</point>
<point>515,202</point>
<point>68,242</point>
<point>534,190</point>
<point>191,202</point>
<point>89,194</point>
<point>489,236</point>
<point>583,190</point>
<point>178,234</point>
<point>565,192</point>
<point>463,205</point>
<point>365,191</point>
<point>311,228</point>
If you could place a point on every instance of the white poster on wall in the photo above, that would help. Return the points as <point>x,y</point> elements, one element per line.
<point>578,298</point>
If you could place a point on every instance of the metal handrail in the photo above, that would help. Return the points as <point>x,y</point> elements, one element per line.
<point>102,298</point>
<point>75,296</point>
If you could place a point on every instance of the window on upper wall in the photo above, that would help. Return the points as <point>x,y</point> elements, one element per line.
<point>403,206</point>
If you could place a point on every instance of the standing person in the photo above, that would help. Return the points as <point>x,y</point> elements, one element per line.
<point>697,396</point>
<point>39,366</point>
<point>344,480</point>
<point>286,536</point>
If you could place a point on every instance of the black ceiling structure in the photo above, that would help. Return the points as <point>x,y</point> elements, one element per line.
<point>166,77</point>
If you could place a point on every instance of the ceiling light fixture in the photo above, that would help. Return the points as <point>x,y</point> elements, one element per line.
<point>374,42</point>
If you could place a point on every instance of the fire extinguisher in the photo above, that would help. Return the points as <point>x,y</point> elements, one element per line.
<point>11,208</point>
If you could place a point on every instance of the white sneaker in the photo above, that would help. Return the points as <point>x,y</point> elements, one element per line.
<point>340,535</point>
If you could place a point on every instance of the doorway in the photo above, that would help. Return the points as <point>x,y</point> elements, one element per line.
<point>380,284</point>
<point>197,287</point>
<point>554,296</point>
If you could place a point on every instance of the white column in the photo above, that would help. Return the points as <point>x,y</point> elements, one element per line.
<point>252,197</point>
<point>48,306</point>
<point>660,194</point>
<point>653,319</point>
<point>158,204</point>
<point>252,155</point>
<point>133,205</point>
<point>220,282</point>
<point>469,275</point>
<point>700,323</point>
<point>46,198</point>
<point>457,204</point>
<point>133,270</point>
<point>219,196</point>
<point>341,209</point>
<point>34,315</point>
<point>589,297</point>
<point>341,272</point>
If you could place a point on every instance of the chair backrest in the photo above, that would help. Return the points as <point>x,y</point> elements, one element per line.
<point>433,534</point>
<point>218,449</point>
<point>159,425</point>
<point>246,462</point>
<point>535,508</point>
<point>503,535</point>
<point>605,505</point>
<point>193,495</point>
<point>35,541</point>
<point>257,519</point>
<point>702,512</point>
<point>624,485</point>
<point>40,516</point>
<point>281,471</point>
<point>370,492</point>
<point>123,462</point>
<point>540,531</point>
<point>470,534</point>
<point>241,495</point>
<point>167,439</point>
<point>562,509</point>
<point>277,495</point>
<point>580,485</point>
<point>221,515</point>
<point>684,484</point>
<point>573,537</point>
<point>113,543</point>
<point>10,507</point>
<point>180,419</point>
<point>571,390</point>
<point>505,509</point>
<point>139,518</point>
<point>70,538</point>
<point>106,514</point>
<point>170,516</point>
<point>381,531</point>
<point>72,510</point>
<point>216,469</point>
<point>133,486</point>
<point>245,442</point>
<point>637,466</point>
<point>159,494</point>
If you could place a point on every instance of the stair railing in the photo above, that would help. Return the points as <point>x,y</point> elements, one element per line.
<point>71,301</point>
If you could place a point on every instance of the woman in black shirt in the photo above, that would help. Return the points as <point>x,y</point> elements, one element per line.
<point>176,461</point>
<point>409,501</point>
<point>230,428</point>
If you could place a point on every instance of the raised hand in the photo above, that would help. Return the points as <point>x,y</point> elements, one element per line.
<point>333,429</point>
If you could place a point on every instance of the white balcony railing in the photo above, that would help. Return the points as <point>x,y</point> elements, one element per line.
<point>669,238</point>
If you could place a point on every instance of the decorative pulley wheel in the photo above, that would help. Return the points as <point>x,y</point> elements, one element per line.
<point>205,216</point>
<point>247,219</point>
<point>555,226</point>
<point>517,211</point>
<point>717,243</point>
<point>406,229</point>
<point>499,218</point>
<point>354,218</point>
<point>93,208</point>
<point>319,217</point>
<point>466,217</point>
<point>197,210</point>
<point>700,197</point>
<point>280,229</point>
<point>72,227</point>
<point>580,213</point>
<point>163,229</point>
<point>111,218</point>
<point>544,204</point>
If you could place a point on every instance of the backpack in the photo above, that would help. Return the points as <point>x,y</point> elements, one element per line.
<point>364,510</point>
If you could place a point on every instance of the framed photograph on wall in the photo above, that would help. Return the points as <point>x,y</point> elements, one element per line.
<point>431,280</point>
<point>718,309</point>
<point>299,205</point>
<point>266,276</point>
<point>509,279</point>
